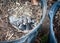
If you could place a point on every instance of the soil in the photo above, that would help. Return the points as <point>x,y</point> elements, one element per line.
<point>8,30</point>
<point>57,25</point>
<point>25,14</point>
<point>50,3</point>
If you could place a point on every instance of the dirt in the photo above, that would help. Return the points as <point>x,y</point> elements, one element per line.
<point>50,3</point>
<point>57,25</point>
<point>25,15</point>
<point>8,30</point>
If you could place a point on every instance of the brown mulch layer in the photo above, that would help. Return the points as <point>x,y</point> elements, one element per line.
<point>7,31</point>
<point>57,25</point>
<point>50,3</point>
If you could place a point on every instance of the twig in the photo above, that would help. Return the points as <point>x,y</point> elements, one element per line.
<point>10,37</point>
